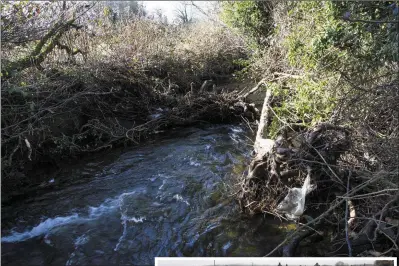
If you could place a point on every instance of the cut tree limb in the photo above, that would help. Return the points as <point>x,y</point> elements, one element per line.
<point>264,145</point>
<point>257,87</point>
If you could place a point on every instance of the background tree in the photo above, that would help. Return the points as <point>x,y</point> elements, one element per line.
<point>184,13</point>
<point>39,28</point>
<point>126,10</point>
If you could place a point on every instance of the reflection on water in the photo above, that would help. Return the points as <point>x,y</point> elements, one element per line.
<point>163,199</point>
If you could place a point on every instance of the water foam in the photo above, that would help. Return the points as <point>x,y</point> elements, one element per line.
<point>125,218</point>
<point>81,240</point>
<point>94,213</point>
<point>136,220</point>
<point>194,163</point>
<point>180,198</point>
<point>237,129</point>
<point>51,223</point>
<point>122,237</point>
<point>163,184</point>
<point>108,206</point>
<point>41,229</point>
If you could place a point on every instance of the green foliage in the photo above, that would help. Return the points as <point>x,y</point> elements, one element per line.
<point>251,18</point>
<point>306,101</point>
<point>311,37</point>
<point>323,46</point>
<point>322,40</point>
<point>244,66</point>
<point>107,11</point>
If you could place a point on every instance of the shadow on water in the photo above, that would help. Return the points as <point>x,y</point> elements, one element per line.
<point>163,199</point>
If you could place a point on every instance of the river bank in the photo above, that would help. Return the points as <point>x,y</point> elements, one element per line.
<point>72,125</point>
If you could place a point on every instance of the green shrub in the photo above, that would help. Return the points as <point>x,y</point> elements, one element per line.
<point>327,50</point>
<point>305,101</point>
<point>321,40</point>
<point>251,18</point>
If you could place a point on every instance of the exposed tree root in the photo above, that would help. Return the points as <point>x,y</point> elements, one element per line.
<point>279,165</point>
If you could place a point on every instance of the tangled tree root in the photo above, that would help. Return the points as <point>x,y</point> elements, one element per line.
<point>283,163</point>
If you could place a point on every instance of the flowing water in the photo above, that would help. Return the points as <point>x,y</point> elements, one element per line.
<point>167,198</point>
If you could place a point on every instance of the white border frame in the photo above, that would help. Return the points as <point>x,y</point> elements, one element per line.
<point>272,260</point>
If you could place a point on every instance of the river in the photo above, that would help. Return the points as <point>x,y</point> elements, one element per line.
<point>125,207</point>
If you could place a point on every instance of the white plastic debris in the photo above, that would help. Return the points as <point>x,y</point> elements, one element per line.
<point>293,205</point>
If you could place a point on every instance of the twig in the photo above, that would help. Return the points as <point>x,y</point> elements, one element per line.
<point>371,194</point>
<point>262,82</point>
<point>29,148</point>
<point>390,238</point>
<point>279,119</point>
<point>247,123</point>
<point>353,191</point>
<point>14,151</point>
<point>288,75</point>
<point>384,209</point>
<point>339,180</point>
<point>346,219</point>
<point>370,21</point>
<point>311,228</point>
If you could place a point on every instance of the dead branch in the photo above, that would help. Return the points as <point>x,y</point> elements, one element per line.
<point>42,49</point>
<point>27,143</point>
<point>346,219</point>
<point>262,144</point>
<point>257,87</point>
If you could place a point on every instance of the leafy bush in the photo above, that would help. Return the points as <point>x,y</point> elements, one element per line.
<point>251,18</point>
<point>325,50</point>
<point>305,101</point>
<point>325,38</point>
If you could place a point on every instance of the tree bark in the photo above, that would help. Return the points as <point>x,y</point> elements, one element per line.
<point>45,46</point>
<point>263,146</point>
<point>262,143</point>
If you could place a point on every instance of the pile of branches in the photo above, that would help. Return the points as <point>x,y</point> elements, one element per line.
<point>354,197</point>
<point>66,115</point>
<point>272,172</point>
